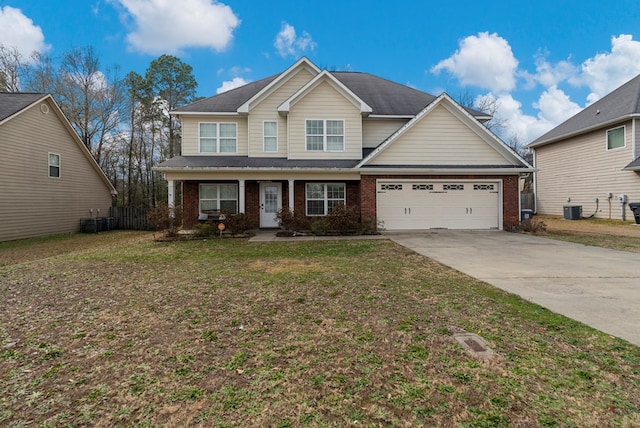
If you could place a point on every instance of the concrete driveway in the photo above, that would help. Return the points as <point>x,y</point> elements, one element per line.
<point>596,286</point>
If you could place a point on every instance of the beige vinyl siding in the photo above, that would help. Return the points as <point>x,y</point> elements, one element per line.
<point>439,138</point>
<point>582,169</point>
<point>325,102</point>
<point>191,134</point>
<point>267,109</point>
<point>375,131</point>
<point>33,204</point>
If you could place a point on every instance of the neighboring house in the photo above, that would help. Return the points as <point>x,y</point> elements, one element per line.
<point>49,180</point>
<point>309,139</point>
<point>591,160</point>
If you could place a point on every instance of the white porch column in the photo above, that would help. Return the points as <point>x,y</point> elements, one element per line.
<point>171,198</point>
<point>241,197</point>
<point>291,198</point>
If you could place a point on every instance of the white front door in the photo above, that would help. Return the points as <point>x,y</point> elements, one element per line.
<point>270,203</point>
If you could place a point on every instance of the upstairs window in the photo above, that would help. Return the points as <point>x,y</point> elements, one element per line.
<point>54,165</point>
<point>321,198</point>
<point>615,138</point>
<point>324,135</point>
<point>270,136</point>
<point>218,137</point>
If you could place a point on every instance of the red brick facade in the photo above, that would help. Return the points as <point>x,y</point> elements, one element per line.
<point>361,192</point>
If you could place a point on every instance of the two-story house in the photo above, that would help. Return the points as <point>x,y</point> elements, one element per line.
<point>592,160</point>
<point>49,179</point>
<point>310,139</point>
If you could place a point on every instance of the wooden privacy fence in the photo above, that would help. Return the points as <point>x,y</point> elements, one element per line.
<point>527,201</point>
<point>131,218</point>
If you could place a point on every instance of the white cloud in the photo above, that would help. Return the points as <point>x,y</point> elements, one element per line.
<point>19,31</point>
<point>227,85</point>
<point>288,43</point>
<point>606,71</point>
<point>485,61</point>
<point>168,26</point>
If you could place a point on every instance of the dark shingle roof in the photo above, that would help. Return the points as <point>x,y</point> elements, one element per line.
<point>227,101</point>
<point>383,96</point>
<point>634,166</point>
<point>13,102</point>
<point>254,162</point>
<point>616,106</point>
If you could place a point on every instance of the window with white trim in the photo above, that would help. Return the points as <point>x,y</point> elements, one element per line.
<point>218,137</point>
<point>615,138</point>
<point>216,197</point>
<point>54,165</point>
<point>270,136</point>
<point>321,198</point>
<point>324,135</point>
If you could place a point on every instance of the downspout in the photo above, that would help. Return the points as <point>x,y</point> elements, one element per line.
<point>634,140</point>
<point>535,182</point>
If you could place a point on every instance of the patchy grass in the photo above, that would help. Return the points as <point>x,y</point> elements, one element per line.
<point>316,333</point>
<point>614,242</point>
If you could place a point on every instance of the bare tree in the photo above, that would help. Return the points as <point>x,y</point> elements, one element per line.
<point>12,68</point>
<point>487,104</point>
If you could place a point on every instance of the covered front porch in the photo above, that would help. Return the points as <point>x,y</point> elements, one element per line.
<point>205,199</point>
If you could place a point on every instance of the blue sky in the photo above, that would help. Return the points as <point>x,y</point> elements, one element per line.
<point>543,61</point>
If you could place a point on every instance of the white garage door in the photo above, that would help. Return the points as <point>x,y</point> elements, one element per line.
<point>438,204</point>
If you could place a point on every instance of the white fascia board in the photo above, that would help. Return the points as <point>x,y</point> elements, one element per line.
<point>204,113</point>
<point>304,61</point>
<point>390,116</point>
<point>441,171</point>
<point>285,107</point>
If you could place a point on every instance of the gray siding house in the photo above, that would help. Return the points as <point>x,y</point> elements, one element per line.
<point>592,159</point>
<point>49,179</point>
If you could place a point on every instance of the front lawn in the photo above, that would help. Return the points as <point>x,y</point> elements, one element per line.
<point>224,332</point>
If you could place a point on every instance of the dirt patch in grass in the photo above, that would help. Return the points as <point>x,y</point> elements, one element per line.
<point>317,333</point>
<point>612,234</point>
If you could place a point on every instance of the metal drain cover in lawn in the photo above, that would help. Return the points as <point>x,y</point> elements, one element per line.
<point>475,344</point>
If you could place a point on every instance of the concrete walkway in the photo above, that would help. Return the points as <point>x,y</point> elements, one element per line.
<point>597,286</point>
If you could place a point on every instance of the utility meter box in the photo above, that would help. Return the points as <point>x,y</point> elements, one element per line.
<point>572,212</point>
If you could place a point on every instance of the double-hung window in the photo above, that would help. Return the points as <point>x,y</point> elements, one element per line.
<point>270,136</point>
<point>54,165</point>
<point>324,135</point>
<point>216,197</point>
<point>321,198</point>
<point>615,138</point>
<point>218,137</point>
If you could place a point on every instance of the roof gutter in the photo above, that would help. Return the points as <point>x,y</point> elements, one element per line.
<point>583,130</point>
<point>448,171</point>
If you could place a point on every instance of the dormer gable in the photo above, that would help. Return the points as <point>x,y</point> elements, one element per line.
<point>325,77</point>
<point>302,64</point>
